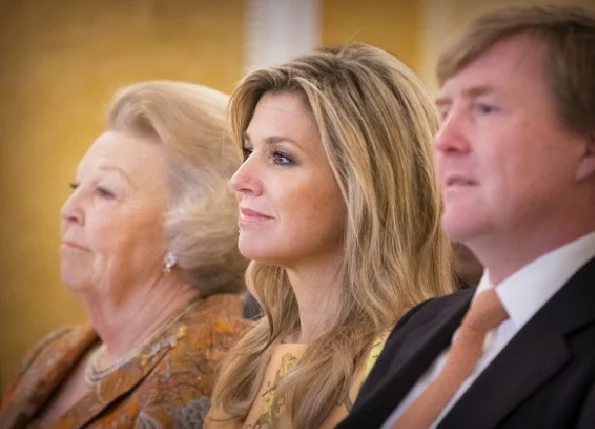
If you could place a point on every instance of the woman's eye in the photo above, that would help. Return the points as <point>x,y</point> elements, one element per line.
<point>279,158</point>
<point>105,193</point>
<point>247,152</point>
<point>73,186</point>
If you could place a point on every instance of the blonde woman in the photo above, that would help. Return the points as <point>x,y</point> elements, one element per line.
<point>339,212</point>
<point>149,247</point>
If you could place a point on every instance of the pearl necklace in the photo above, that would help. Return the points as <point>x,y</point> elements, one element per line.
<point>94,374</point>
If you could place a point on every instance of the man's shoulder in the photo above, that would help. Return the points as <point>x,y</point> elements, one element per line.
<point>428,316</point>
<point>453,299</point>
<point>434,307</point>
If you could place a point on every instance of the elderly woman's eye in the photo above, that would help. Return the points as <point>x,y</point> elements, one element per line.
<point>105,193</point>
<point>73,186</point>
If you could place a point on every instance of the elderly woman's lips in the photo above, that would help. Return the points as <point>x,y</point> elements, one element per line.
<point>72,245</point>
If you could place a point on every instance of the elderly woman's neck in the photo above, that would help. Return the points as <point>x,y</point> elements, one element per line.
<point>126,323</point>
<point>317,289</point>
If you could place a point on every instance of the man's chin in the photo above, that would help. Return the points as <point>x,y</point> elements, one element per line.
<point>458,229</point>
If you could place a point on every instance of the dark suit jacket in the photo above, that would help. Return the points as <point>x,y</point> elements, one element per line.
<point>544,378</point>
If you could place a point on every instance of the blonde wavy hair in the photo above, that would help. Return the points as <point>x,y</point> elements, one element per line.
<point>377,122</point>
<point>190,121</point>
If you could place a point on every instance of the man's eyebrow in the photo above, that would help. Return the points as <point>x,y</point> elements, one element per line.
<point>472,92</point>
<point>476,91</point>
<point>443,101</point>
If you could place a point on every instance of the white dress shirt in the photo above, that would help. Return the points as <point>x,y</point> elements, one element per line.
<point>522,295</point>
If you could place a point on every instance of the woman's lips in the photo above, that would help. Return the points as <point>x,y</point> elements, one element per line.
<point>252,217</point>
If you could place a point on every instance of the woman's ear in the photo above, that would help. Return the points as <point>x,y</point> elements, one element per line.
<point>586,166</point>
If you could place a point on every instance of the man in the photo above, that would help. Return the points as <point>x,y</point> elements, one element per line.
<point>515,157</point>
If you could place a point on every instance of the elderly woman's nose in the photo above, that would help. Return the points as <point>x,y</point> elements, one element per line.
<point>72,211</point>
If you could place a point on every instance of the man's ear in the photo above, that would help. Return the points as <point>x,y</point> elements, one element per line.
<point>586,166</point>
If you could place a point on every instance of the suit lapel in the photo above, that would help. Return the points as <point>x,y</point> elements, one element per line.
<point>535,354</point>
<point>424,343</point>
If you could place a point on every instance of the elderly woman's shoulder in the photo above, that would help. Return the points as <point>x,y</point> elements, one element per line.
<point>72,338</point>
<point>178,390</point>
<point>213,328</point>
<point>53,353</point>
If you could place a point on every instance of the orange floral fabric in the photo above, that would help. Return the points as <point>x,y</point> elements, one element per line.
<point>168,385</point>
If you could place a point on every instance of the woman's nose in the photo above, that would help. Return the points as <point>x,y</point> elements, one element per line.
<point>246,179</point>
<point>72,211</point>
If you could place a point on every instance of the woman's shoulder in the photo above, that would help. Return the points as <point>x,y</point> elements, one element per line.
<point>373,353</point>
<point>45,365</point>
<point>214,326</point>
<point>59,341</point>
<point>193,346</point>
<point>366,366</point>
<point>225,304</point>
<point>179,387</point>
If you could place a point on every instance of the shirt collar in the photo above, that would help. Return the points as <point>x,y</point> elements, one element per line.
<point>527,290</point>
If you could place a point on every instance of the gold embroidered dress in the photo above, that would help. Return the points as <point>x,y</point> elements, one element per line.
<point>265,412</point>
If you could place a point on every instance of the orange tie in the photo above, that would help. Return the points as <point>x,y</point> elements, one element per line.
<point>485,314</point>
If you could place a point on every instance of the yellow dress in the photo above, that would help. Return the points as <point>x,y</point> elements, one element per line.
<point>265,411</point>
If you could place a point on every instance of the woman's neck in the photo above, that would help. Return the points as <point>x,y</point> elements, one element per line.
<point>316,289</point>
<point>126,323</point>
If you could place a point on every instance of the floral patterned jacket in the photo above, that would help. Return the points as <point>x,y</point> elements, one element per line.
<point>168,385</point>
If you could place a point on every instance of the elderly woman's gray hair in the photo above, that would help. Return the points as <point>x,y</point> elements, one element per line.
<point>201,221</point>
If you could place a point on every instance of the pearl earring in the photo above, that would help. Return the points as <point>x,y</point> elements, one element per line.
<point>169,260</point>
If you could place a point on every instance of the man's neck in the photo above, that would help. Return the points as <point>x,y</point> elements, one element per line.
<point>504,257</point>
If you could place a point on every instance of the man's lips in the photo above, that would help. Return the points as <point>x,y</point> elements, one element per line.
<point>460,181</point>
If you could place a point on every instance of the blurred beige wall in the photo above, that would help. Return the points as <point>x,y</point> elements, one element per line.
<point>394,25</point>
<point>60,62</point>
<point>442,19</point>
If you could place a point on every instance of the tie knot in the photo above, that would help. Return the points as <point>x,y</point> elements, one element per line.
<point>486,312</point>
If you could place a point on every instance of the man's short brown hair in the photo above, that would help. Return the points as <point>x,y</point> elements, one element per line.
<point>568,33</point>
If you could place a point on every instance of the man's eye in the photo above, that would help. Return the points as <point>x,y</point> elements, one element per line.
<point>485,108</point>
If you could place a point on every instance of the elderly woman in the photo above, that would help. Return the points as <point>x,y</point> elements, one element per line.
<point>149,246</point>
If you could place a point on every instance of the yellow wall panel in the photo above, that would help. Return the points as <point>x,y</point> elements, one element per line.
<point>60,62</point>
<point>394,25</point>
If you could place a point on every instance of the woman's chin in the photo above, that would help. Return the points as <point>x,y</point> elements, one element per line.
<point>75,281</point>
